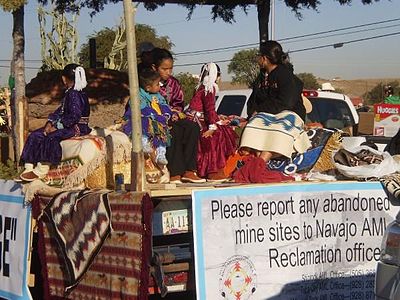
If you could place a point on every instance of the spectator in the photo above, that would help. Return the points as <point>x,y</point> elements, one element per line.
<point>182,152</point>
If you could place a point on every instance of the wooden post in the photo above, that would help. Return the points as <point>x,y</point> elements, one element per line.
<point>137,159</point>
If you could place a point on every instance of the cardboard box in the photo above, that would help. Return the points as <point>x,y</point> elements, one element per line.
<point>366,123</point>
<point>387,119</point>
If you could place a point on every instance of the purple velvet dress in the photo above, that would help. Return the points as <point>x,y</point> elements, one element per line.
<point>71,119</point>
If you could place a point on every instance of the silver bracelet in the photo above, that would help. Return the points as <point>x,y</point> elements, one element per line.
<point>212,127</point>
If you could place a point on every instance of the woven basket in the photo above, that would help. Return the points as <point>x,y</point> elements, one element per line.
<point>98,179</point>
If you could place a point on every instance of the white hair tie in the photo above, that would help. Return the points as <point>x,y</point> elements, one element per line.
<point>80,78</point>
<point>211,73</point>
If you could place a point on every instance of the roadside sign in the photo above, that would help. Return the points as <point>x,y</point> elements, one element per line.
<point>289,241</point>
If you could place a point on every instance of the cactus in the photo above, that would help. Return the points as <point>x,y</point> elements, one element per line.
<point>118,48</point>
<point>59,46</point>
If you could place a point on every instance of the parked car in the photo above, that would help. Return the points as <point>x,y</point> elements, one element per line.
<point>387,280</point>
<point>332,110</point>
<point>232,102</point>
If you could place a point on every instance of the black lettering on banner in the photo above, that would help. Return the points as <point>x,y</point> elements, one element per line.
<point>374,227</point>
<point>8,232</point>
<point>249,235</point>
<point>230,211</point>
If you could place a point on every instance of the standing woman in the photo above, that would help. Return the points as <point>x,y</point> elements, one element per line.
<point>275,108</point>
<point>182,152</point>
<point>218,139</point>
<point>71,119</point>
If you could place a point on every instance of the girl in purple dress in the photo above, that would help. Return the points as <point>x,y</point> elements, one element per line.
<point>71,119</point>
<point>217,139</point>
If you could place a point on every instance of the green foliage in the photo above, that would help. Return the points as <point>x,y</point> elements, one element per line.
<point>376,94</point>
<point>105,39</point>
<point>10,5</point>
<point>188,83</point>
<point>8,170</point>
<point>309,80</point>
<point>244,67</point>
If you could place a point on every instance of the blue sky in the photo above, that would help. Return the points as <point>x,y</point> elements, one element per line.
<point>374,58</point>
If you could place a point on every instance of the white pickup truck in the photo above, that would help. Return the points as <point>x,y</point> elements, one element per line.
<point>332,110</point>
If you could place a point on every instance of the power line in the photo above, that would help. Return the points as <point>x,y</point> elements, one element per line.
<point>311,38</point>
<point>289,38</point>
<point>204,51</point>
<point>336,45</point>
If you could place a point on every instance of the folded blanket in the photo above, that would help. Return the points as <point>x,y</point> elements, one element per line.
<point>304,162</point>
<point>81,223</point>
<point>80,157</point>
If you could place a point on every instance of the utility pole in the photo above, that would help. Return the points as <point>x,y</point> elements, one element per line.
<point>137,158</point>
<point>272,19</point>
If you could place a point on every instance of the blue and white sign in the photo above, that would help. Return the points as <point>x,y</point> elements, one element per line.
<point>15,220</point>
<point>289,241</point>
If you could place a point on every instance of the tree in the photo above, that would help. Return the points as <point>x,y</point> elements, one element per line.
<point>244,67</point>
<point>309,80</point>
<point>376,94</point>
<point>17,74</point>
<point>188,83</point>
<point>223,9</point>
<point>105,39</point>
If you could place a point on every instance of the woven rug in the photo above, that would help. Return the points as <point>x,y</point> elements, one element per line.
<point>120,269</point>
<point>81,223</point>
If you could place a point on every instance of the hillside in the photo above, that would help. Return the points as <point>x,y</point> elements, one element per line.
<point>353,88</point>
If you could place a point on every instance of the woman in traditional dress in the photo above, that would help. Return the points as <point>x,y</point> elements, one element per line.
<point>218,139</point>
<point>71,119</point>
<point>182,152</point>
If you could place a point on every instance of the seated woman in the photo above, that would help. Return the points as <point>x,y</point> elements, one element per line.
<point>276,110</point>
<point>218,139</point>
<point>71,119</point>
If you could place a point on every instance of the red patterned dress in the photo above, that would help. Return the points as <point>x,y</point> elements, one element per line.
<point>212,151</point>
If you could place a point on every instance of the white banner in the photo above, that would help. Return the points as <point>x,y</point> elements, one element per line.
<point>289,241</point>
<point>15,221</point>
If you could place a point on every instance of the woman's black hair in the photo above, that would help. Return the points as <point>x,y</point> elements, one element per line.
<point>147,76</point>
<point>69,71</point>
<point>204,74</point>
<point>160,54</point>
<point>274,52</point>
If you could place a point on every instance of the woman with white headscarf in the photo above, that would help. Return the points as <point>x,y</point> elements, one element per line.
<point>70,119</point>
<point>218,139</point>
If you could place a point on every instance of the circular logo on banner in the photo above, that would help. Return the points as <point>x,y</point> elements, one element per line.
<point>237,279</point>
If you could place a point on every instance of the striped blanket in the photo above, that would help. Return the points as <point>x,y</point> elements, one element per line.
<point>281,133</point>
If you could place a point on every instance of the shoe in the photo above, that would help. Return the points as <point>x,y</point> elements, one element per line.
<point>146,145</point>
<point>191,176</point>
<point>29,176</point>
<point>175,179</point>
<point>162,161</point>
<point>160,156</point>
<point>218,176</point>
